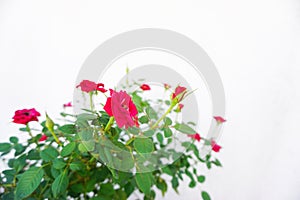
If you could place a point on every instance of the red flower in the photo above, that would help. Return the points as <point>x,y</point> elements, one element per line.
<point>89,86</point>
<point>167,86</point>
<point>179,93</point>
<point>145,87</point>
<point>195,136</point>
<point>69,104</point>
<point>180,106</point>
<point>215,146</point>
<point>100,87</point>
<point>219,119</point>
<point>43,138</point>
<point>25,116</point>
<point>122,108</point>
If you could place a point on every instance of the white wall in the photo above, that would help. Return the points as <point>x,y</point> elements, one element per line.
<point>254,44</point>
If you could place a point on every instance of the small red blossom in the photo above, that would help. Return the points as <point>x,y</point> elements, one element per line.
<point>195,136</point>
<point>180,106</point>
<point>179,93</point>
<point>167,86</point>
<point>122,108</point>
<point>219,119</point>
<point>145,87</point>
<point>89,86</point>
<point>215,146</point>
<point>69,104</point>
<point>100,87</point>
<point>43,138</point>
<point>25,116</point>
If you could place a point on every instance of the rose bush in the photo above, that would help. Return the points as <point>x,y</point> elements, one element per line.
<point>74,160</point>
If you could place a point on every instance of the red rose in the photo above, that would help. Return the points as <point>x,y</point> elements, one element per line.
<point>179,93</point>
<point>43,138</point>
<point>180,106</point>
<point>219,119</point>
<point>195,136</point>
<point>215,146</point>
<point>145,87</point>
<point>25,116</point>
<point>167,86</point>
<point>122,108</point>
<point>89,86</point>
<point>69,104</point>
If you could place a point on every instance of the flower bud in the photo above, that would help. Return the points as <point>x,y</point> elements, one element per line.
<point>49,123</point>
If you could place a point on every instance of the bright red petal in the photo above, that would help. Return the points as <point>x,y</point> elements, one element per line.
<point>145,87</point>
<point>107,107</point>
<point>215,146</point>
<point>219,119</point>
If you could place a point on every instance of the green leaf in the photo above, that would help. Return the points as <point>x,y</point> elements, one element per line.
<point>162,185</point>
<point>59,163</point>
<point>76,166</point>
<point>193,182</point>
<point>143,181</point>
<point>28,182</point>
<point>143,145</point>
<point>60,184</point>
<point>23,129</point>
<point>33,154</point>
<point>19,149</point>
<point>201,179</point>
<point>82,148</point>
<point>5,147</point>
<point>205,195</point>
<point>133,130</point>
<point>19,163</point>
<point>208,165</point>
<point>151,113</point>
<point>87,139</point>
<point>175,183</point>
<point>55,172</point>
<point>129,187</point>
<point>68,129</point>
<point>86,116</point>
<point>14,139</point>
<point>170,170</point>
<point>168,121</point>
<point>9,175</point>
<point>217,163</point>
<point>120,195</point>
<point>68,149</point>
<point>167,132</point>
<point>160,138</point>
<point>183,128</point>
<point>137,100</point>
<point>107,189</point>
<point>49,154</point>
<point>149,133</point>
<point>144,119</point>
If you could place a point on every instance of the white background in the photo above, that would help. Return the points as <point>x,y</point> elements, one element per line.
<point>254,44</point>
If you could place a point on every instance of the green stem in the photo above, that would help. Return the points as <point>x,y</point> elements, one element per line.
<point>109,124</point>
<point>55,137</point>
<point>164,115</point>
<point>91,101</point>
<point>30,133</point>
